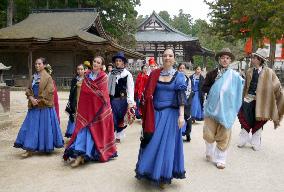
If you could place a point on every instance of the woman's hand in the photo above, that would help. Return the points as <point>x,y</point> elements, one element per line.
<point>34,101</point>
<point>180,121</point>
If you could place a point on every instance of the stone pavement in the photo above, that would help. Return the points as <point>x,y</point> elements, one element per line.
<point>246,169</point>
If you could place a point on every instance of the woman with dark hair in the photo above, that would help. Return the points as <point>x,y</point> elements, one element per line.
<point>197,95</point>
<point>186,130</point>
<point>109,68</point>
<point>140,84</point>
<point>93,137</point>
<point>40,130</point>
<point>121,91</point>
<point>161,151</point>
<point>74,94</point>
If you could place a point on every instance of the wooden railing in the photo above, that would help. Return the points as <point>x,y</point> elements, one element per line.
<point>63,82</point>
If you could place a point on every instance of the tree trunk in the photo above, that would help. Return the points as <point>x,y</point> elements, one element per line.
<point>66,3</point>
<point>79,3</point>
<point>47,4</point>
<point>272,53</point>
<point>10,12</point>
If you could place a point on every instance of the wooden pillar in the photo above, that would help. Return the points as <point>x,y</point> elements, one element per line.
<point>174,46</point>
<point>10,13</point>
<point>156,52</point>
<point>74,60</point>
<point>30,64</point>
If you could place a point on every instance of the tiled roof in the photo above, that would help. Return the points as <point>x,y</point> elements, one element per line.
<point>48,25</point>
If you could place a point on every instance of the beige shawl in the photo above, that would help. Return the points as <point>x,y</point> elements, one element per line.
<point>269,96</point>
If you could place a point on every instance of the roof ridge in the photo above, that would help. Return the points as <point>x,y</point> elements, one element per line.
<point>64,10</point>
<point>167,25</point>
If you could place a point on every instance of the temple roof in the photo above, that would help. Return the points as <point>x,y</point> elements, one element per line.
<point>155,29</point>
<point>62,24</point>
<point>43,26</point>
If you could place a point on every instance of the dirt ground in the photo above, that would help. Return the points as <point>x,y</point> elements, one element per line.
<point>246,169</point>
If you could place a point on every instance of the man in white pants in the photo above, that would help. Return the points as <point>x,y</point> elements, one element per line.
<point>224,88</point>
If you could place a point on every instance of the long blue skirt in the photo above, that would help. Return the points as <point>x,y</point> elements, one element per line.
<point>70,129</point>
<point>119,109</point>
<point>196,108</point>
<point>137,110</point>
<point>40,131</point>
<point>84,146</point>
<point>162,159</point>
<point>183,129</point>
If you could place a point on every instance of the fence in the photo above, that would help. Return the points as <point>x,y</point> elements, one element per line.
<point>63,82</point>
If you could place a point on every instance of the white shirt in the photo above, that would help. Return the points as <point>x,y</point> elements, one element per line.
<point>129,85</point>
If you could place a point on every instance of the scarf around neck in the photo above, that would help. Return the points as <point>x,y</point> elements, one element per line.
<point>36,78</point>
<point>112,80</point>
<point>169,72</point>
<point>221,71</point>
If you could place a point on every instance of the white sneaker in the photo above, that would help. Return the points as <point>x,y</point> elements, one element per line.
<point>209,151</point>
<point>244,138</point>
<point>256,140</point>
<point>120,135</point>
<point>220,158</point>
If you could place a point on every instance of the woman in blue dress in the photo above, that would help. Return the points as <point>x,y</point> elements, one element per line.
<point>186,129</point>
<point>74,94</point>
<point>197,95</point>
<point>40,130</point>
<point>161,151</point>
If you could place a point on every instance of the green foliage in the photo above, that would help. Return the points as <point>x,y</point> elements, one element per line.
<point>182,22</point>
<point>234,19</point>
<point>3,13</point>
<point>264,18</point>
<point>165,16</point>
<point>209,39</point>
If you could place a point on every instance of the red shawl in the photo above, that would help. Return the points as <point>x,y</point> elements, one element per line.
<point>94,111</point>
<point>55,100</point>
<point>148,107</point>
<point>140,85</point>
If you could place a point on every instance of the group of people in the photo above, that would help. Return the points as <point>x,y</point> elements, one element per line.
<point>101,105</point>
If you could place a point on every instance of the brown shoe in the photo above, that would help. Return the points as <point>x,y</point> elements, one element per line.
<point>162,185</point>
<point>117,140</point>
<point>79,160</point>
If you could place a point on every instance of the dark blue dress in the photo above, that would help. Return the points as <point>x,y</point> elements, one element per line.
<point>197,112</point>
<point>162,159</point>
<point>40,130</point>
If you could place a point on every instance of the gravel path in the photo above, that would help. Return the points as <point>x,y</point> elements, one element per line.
<point>246,169</point>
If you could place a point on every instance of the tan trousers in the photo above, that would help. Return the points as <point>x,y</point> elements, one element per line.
<point>214,131</point>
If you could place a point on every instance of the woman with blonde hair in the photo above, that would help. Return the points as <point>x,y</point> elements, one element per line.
<point>93,137</point>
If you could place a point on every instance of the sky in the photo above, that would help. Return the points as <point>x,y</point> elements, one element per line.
<point>196,8</point>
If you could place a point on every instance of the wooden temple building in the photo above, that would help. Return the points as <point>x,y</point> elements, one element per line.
<point>66,37</point>
<point>154,35</point>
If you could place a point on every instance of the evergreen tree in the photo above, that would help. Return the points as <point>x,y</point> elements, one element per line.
<point>234,19</point>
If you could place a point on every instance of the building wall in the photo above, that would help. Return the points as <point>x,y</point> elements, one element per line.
<point>63,64</point>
